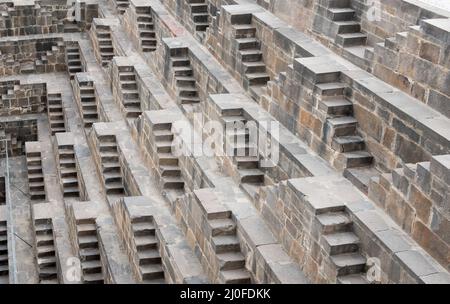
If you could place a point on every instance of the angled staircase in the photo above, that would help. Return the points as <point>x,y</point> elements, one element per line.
<point>55,113</point>
<point>199,15</point>
<point>340,130</point>
<point>89,110</point>
<point>111,171</point>
<point>169,168</point>
<point>347,30</point>
<point>4,264</point>
<point>226,246</point>
<point>35,175</point>
<point>145,240</point>
<point>185,83</point>
<point>342,244</point>
<point>243,149</point>
<point>146,29</point>
<point>91,265</point>
<point>131,104</point>
<point>68,171</point>
<point>73,59</point>
<point>45,251</point>
<point>250,56</point>
<point>105,45</point>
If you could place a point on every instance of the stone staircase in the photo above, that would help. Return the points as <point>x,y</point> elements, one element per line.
<point>71,27</point>
<point>73,59</point>
<point>168,165</point>
<point>55,113</point>
<point>146,29</point>
<point>45,251</point>
<point>91,265</point>
<point>340,130</point>
<point>121,5</point>
<point>199,15</point>
<point>68,171</point>
<point>4,265</point>
<point>130,95</point>
<point>342,244</point>
<point>146,243</point>
<point>89,110</point>
<point>185,83</point>
<point>35,175</point>
<point>111,171</point>
<point>105,45</point>
<point>243,149</point>
<point>347,29</point>
<point>226,246</point>
<point>251,57</point>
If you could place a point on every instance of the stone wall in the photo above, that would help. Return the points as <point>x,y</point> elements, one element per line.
<point>37,55</point>
<point>418,62</point>
<point>37,17</point>
<point>303,235</point>
<point>19,98</point>
<point>417,198</point>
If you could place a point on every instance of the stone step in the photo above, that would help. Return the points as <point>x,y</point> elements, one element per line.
<point>47,250</point>
<point>333,222</point>
<point>257,78</point>
<point>247,162</point>
<point>222,226</point>
<point>170,170</point>
<point>86,229</point>
<point>88,241</point>
<point>90,254</point>
<point>347,264</point>
<point>348,143</point>
<point>182,71</point>
<point>200,17</point>
<point>163,135</point>
<point>351,39</point>
<point>149,256</point>
<point>47,261</point>
<point>182,81</point>
<point>91,266</point>
<point>247,43</point>
<point>342,242</point>
<point>342,126</point>
<point>180,61</point>
<point>347,27</point>
<point>254,67</point>
<point>336,106</point>
<point>335,3</point>
<point>145,242</point>
<point>201,26</point>
<point>360,177</point>
<point>172,182</point>
<point>199,7</point>
<point>253,55</point>
<point>143,228</point>
<point>231,261</point>
<point>93,278</point>
<point>357,159</point>
<point>44,240</point>
<point>340,14</point>
<point>225,243</point>
<point>330,89</point>
<point>244,31</point>
<point>251,176</point>
<point>167,159</point>
<point>236,276</point>
<point>48,273</point>
<point>352,279</point>
<point>151,271</point>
